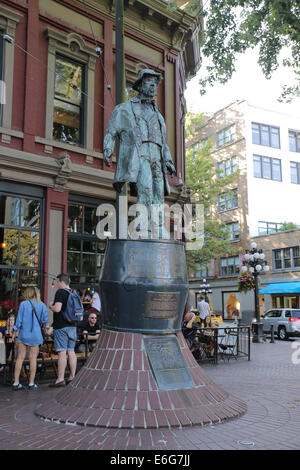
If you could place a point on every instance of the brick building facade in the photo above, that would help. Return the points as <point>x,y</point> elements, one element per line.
<point>57,63</point>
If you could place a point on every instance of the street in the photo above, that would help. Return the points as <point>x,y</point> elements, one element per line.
<point>269,384</point>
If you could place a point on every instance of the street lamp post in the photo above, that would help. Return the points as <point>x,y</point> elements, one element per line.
<point>255,263</point>
<point>204,289</point>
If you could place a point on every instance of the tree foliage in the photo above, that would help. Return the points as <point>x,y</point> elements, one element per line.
<point>202,179</point>
<point>20,250</point>
<point>233,26</point>
<point>288,226</point>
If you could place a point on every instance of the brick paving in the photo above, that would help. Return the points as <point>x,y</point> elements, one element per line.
<point>269,384</point>
<point>116,388</point>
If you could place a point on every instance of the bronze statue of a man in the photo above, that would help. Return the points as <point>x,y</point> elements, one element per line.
<point>144,155</point>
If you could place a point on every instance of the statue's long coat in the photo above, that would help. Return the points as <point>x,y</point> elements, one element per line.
<point>123,124</point>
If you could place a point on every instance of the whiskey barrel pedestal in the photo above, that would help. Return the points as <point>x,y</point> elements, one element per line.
<point>141,373</point>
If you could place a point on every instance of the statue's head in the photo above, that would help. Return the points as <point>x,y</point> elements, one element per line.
<point>147,82</point>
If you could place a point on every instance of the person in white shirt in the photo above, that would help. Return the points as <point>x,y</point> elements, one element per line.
<point>204,309</point>
<point>96,302</point>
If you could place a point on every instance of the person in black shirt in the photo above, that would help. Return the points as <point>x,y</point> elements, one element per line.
<point>92,329</point>
<point>64,332</point>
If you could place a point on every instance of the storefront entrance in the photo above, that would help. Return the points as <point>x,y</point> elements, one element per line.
<point>21,216</point>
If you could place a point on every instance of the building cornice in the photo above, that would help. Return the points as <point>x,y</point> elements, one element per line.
<point>184,30</point>
<point>60,173</point>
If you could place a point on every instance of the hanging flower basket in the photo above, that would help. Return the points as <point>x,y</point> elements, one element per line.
<point>246,283</point>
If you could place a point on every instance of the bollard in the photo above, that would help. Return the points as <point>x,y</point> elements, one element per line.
<point>272,334</point>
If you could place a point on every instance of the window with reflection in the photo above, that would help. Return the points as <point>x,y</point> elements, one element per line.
<point>263,134</point>
<point>233,231</point>
<point>287,258</point>
<point>268,227</point>
<point>68,101</point>
<point>228,200</point>
<point>267,168</point>
<point>20,248</point>
<point>229,266</point>
<point>85,252</point>
<point>226,136</point>
<point>227,167</point>
<point>82,218</point>
<point>294,141</point>
<point>295,172</point>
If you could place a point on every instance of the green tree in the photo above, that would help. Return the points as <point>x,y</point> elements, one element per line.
<point>233,26</point>
<point>287,226</point>
<point>202,179</point>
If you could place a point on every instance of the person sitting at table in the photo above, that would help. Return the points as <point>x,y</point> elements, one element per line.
<point>190,329</point>
<point>7,332</point>
<point>93,299</point>
<point>91,331</point>
<point>6,335</point>
<point>96,302</point>
<point>209,334</point>
<point>93,305</point>
<point>86,299</point>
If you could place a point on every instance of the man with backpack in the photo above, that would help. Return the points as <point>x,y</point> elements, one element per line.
<point>65,313</point>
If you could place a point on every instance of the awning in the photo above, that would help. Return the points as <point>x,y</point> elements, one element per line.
<point>281,288</point>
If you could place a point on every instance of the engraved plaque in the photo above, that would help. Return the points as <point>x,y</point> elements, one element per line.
<point>161,304</point>
<point>167,363</point>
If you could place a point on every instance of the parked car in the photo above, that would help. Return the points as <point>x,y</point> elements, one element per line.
<point>285,321</point>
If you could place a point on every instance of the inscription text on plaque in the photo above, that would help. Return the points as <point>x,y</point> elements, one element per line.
<point>161,304</point>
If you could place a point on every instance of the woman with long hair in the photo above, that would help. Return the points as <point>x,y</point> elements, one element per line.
<point>32,315</point>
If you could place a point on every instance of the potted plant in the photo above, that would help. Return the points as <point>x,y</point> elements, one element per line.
<point>246,283</point>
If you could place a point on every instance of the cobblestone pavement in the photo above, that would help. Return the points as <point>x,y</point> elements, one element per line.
<point>269,384</point>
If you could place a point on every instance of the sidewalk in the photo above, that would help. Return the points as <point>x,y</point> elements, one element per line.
<point>269,384</point>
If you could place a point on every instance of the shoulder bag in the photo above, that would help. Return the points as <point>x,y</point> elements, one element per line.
<point>42,326</point>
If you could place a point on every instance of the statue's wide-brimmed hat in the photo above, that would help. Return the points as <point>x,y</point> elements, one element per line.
<point>142,74</point>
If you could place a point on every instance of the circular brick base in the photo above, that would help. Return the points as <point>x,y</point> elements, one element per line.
<point>116,389</point>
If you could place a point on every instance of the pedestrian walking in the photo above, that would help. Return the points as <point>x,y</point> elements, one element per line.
<point>64,332</point>
<point>32,314</point>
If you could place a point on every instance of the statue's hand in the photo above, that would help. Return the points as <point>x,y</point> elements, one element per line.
<point>171,168</point>
<point>106,156</point>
